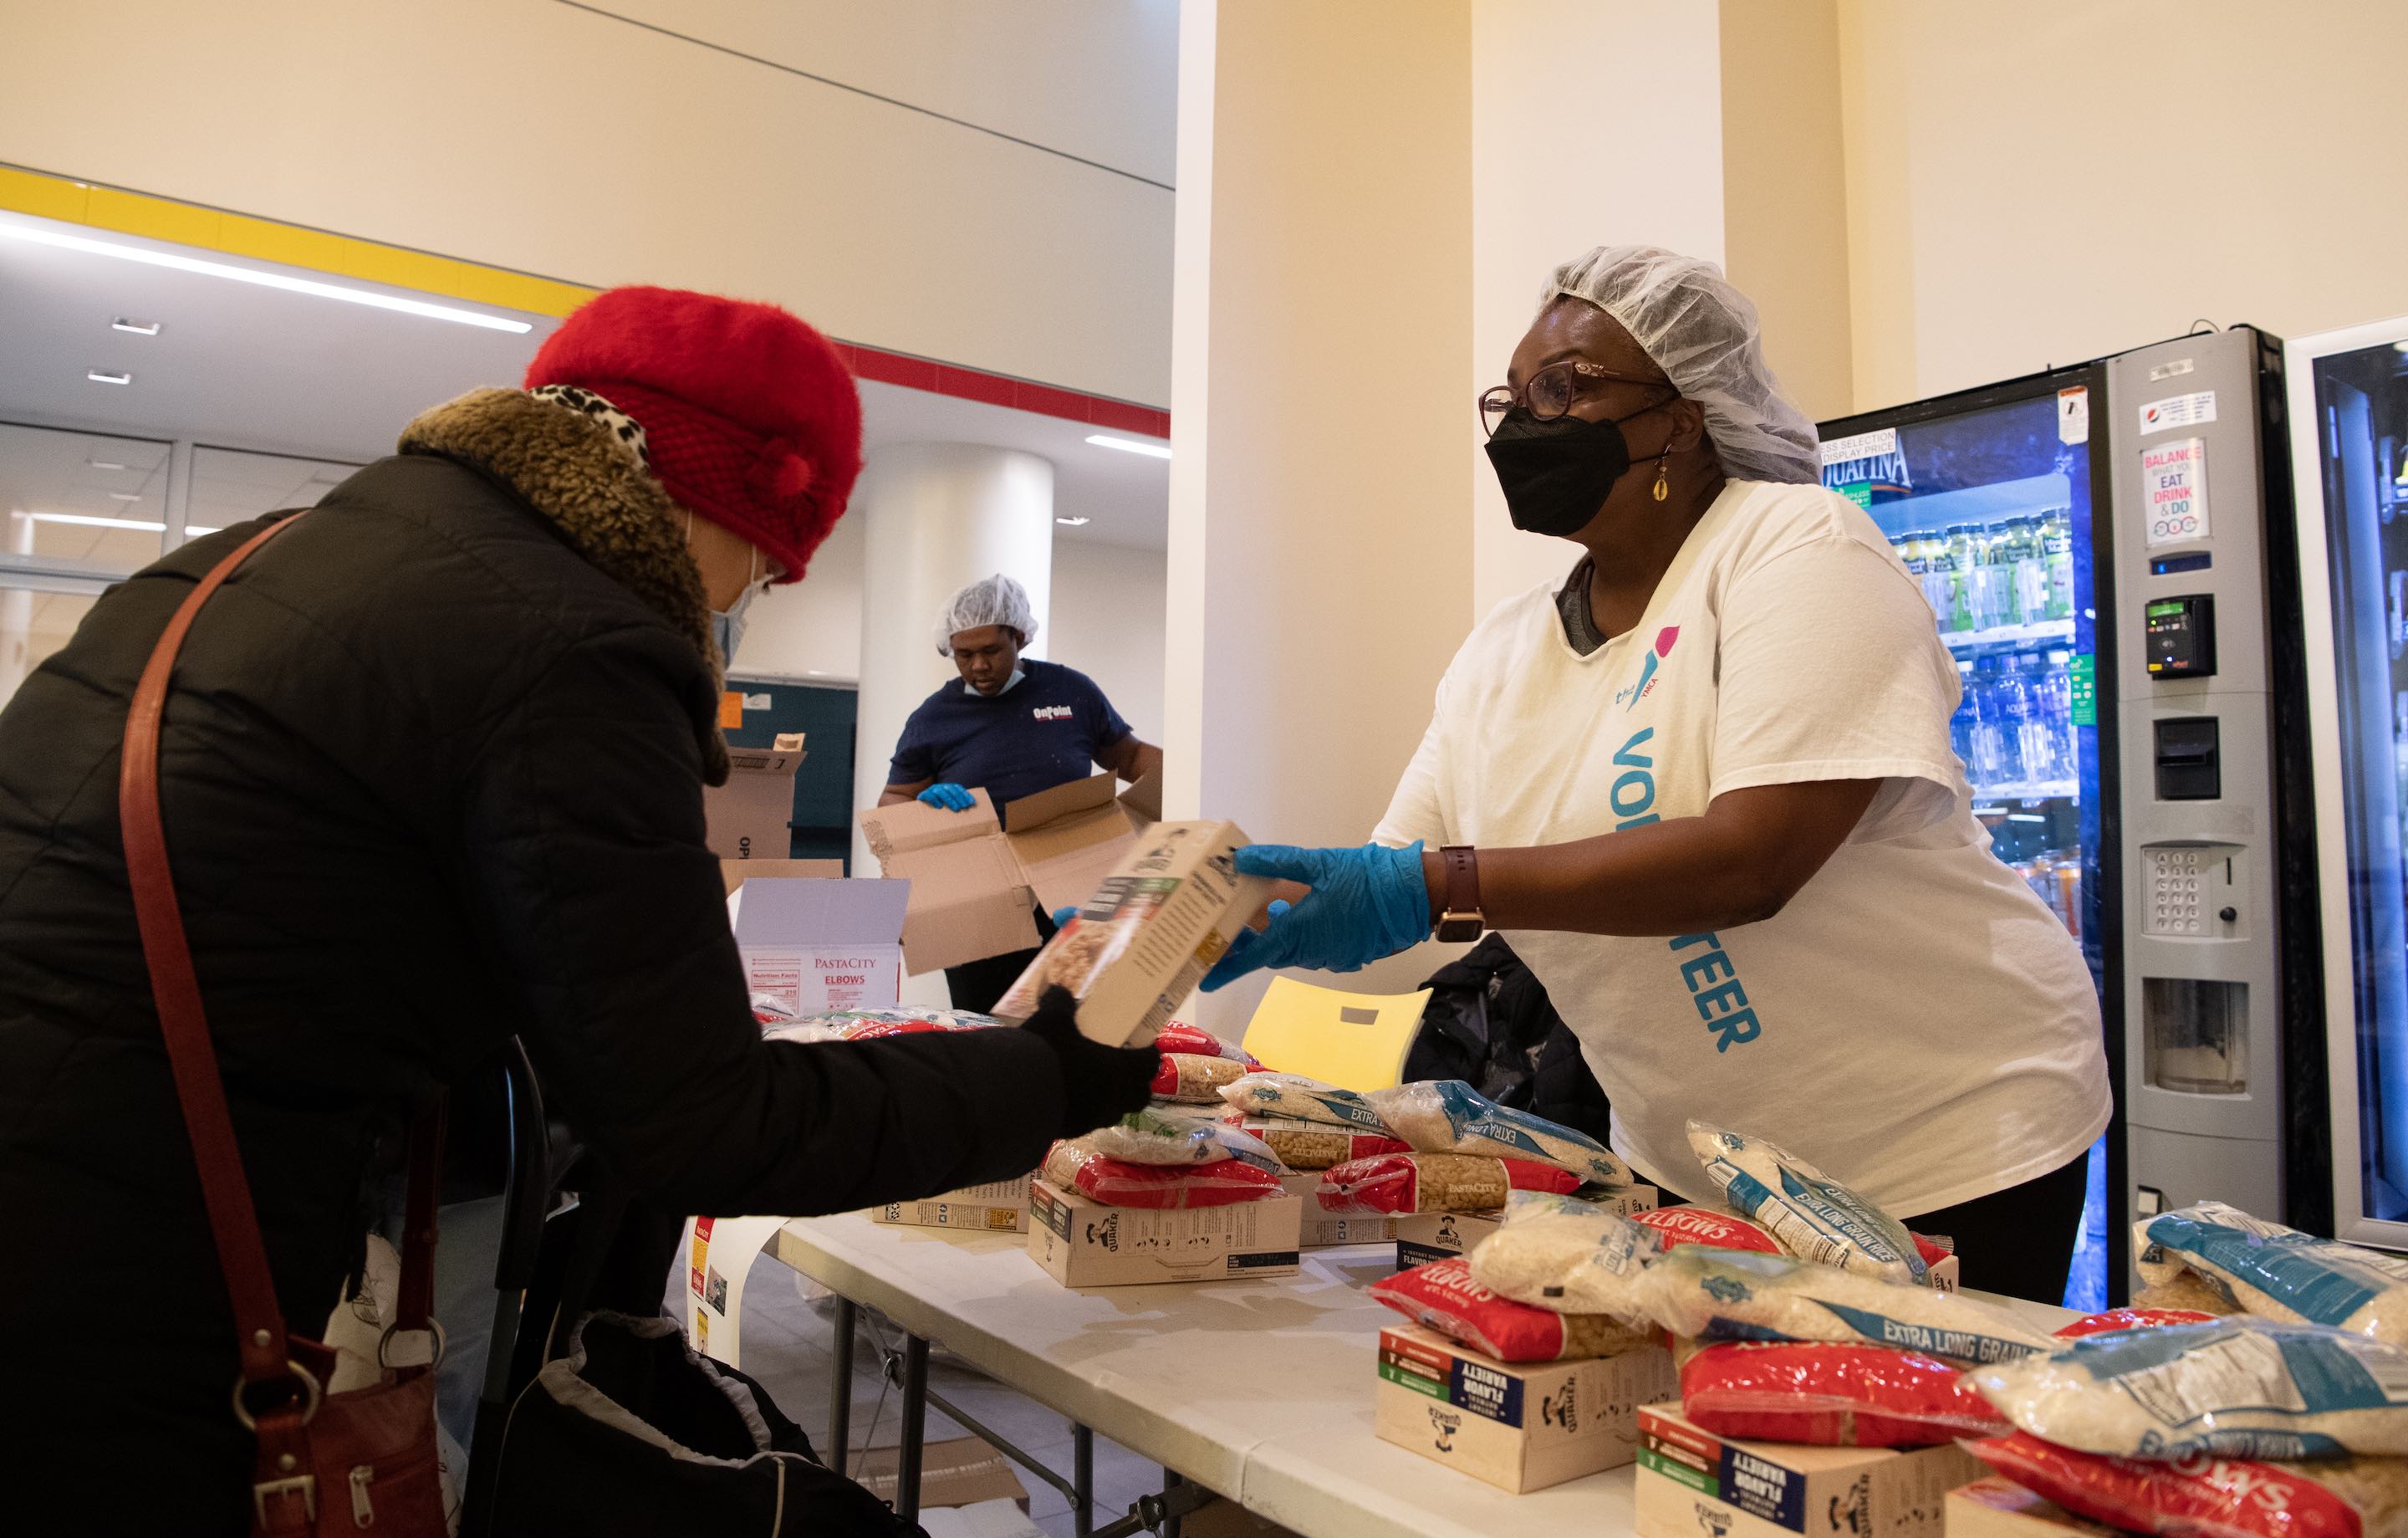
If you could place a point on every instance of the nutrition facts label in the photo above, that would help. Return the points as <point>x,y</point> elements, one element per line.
<point>2175,886</point>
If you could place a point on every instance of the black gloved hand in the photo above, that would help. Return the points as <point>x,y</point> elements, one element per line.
<point>1099,1083</point>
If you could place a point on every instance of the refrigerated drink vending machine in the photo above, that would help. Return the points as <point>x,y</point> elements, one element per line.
<point>2108,607</point>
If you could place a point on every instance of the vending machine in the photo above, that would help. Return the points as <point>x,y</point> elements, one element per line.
<point>2119,619</point>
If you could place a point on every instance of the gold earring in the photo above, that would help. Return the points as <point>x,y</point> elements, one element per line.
<point>1663,481</point>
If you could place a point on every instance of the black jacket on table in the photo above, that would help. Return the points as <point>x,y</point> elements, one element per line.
<point>431,775</point>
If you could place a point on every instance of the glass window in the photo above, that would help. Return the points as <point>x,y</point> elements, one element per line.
<point>232,485</point>
<point>82,498</point>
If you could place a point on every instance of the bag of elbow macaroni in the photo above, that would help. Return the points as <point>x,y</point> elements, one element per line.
<point>1076,1166</point>
<point>1434,1183</point>
<point>1815,1217</point>
<point>1314,1145</point>
<point>1561,1253</point>
<point>2238,1388</point>
<point>1194,1041</point>
<point>1294,1096</point>
<point>2277,1273</point>
<point>2211,1496</point>
<point>1443,1295</point>
<point>1449,1116</point>
<point>1731,1295</point>
<point>1831,1395</point>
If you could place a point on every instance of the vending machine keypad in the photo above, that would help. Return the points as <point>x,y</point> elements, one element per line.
<point>2178,903</point>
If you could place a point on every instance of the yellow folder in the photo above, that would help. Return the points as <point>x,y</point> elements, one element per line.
<point>1356,1040</point>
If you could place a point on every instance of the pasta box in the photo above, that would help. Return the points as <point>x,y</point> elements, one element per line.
<point>818,946</point>
<point>1145,935</point>
<point>1691,1481</point>
<point>1082,1242</point>
<point>999,1206</point>
<point>2001,1508</point>
<point>1520,1426</point>
<point>1322,1230</point>
<point>1425,1237</point>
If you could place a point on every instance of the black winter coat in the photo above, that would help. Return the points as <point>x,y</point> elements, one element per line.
<point>432,776</point>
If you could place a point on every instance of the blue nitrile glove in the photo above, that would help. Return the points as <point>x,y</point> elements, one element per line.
<point>1365,903</point>
<point>947,795</point>
<point>1063,914</point>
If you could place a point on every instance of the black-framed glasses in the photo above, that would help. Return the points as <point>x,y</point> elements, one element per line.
<point>1551,392</point>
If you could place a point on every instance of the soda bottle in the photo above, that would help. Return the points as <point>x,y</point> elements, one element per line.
<point>2057,553</point>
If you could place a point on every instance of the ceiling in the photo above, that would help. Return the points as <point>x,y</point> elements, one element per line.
<point>313,381</point>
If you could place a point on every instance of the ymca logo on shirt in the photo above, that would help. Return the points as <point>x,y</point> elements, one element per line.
<point>1629,699</point>
<point>1052,713</point>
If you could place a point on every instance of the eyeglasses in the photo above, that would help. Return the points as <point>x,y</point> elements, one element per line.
<point>1551,392</point>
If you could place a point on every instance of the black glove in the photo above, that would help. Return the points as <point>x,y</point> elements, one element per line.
<point>1100,1084</point>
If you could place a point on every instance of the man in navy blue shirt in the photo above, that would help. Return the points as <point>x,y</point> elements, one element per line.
<point>1011,727</point>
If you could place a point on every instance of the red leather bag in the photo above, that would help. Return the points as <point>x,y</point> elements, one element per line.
<point>327,1463</point>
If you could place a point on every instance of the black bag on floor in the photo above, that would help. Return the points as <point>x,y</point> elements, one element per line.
<point>631,1433</point>
<point>1490,1023</point>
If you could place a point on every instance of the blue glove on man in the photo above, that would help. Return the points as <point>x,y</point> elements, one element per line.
<point>946,793</point>
<point>1365,903</point>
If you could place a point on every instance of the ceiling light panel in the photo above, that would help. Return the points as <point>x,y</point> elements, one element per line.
<point>138,329</point>
<point>1130,445</point>
<point>104,376</point>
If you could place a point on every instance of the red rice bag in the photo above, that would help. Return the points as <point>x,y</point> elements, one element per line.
<point>1436,1182</point>
<point>1832,1396</point>
<point>1118,1182</point>
<point>1178,1036</point>
<point>1443,1295</point>
<point>2206,1497</point>
<point>2132,1318</point>
<point>1708,1226</point>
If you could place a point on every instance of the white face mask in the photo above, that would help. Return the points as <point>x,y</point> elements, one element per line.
<point>727,626</point>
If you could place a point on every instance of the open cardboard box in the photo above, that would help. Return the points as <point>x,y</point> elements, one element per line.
<point>978,875</point>
<point>818,945</point>
<point>748,817</point>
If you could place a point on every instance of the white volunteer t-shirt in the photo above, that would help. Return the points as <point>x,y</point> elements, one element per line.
<point>1915,1020</point>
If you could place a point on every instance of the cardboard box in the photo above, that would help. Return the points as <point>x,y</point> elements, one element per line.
<point>1322,1230</point>
<point>977,876</point>
<point>1084,1243</point>
<point>999,1206</point>
<point>817,945</point>
<point>1145,938</point>
<point>958,1471</point>
<point>748,817</point>
<point>2000,1508</point>
<point>1691,1481</point>
<point>734,873</point>
<point>1521,1426</point>
<point>1425,1237</point>
<point>1221,1518</point>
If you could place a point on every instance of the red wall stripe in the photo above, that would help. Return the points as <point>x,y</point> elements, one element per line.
<point>945,379</point>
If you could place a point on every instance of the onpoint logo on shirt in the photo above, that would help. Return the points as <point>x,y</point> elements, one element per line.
<point>1628,698</point>
<point>1052,713</point>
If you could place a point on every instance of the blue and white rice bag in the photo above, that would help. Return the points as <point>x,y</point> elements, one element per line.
<point>1294,1096</point>
<point>1746,1295</point>
<point>1449,1116</point>
<point>2239,1387</point>
<point>1815,1217</point>
<point>2277,1273</point>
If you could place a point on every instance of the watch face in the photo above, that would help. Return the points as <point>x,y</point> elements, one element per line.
<point>1456,927</point>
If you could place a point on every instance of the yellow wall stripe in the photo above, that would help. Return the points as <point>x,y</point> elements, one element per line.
<point>288,245</point>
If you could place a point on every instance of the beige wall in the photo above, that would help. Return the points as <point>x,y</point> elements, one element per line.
<point>1107,622</point>
<point>1559,166</point>
<point>1785,218</point>
<point>2047,181</point>
<point>546,138</point>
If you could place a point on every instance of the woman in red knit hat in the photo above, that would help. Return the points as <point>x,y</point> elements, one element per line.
<point>432,773</point>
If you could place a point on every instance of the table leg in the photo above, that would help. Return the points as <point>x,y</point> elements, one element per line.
<point>915,1420</point>
<point>840,1391</point>
<point>1173,1522</point>
<point>1082,1480</point>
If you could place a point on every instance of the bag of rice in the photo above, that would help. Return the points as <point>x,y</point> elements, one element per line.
<point>1832,1396</point>
<point>1711,1227</point>
<point>2203,1497</point>
<point>1443,1295</point>
<point>1449,1116</point>
<point>1194,1041</point>
<point>1305,1099</point>
<point>1815,1217</point>
<point>1154,1136</point>
<point>1435,1183</point>
<point>1731,1295</point>
<point>1117,1183</point>
<point>2130,1318</point>
<point>1193,1079</point>
<point>1314,1145</point>
<point>2187,1290</point>
<point>1560,1253</point>
<point>2237,1388</point>
<point>2278,1273</point>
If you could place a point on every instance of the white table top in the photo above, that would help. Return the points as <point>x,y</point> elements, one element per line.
<point>1261,1390</point>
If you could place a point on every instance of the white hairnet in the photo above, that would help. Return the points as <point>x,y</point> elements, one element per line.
<point>994,600</point>
<point>1704,335</point>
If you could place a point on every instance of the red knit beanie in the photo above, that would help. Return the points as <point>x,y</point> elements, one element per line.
<point>750,418</point>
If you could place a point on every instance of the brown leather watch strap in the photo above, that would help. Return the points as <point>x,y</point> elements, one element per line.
<point>1462,877</point>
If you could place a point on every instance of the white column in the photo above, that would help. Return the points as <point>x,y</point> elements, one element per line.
<point>939,516</point>
<point>1320,495</point>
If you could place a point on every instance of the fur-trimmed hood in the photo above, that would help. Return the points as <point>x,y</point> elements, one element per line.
<point>568,467</point>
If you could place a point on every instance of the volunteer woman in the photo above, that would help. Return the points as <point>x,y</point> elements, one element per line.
<point>1706,790</point>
